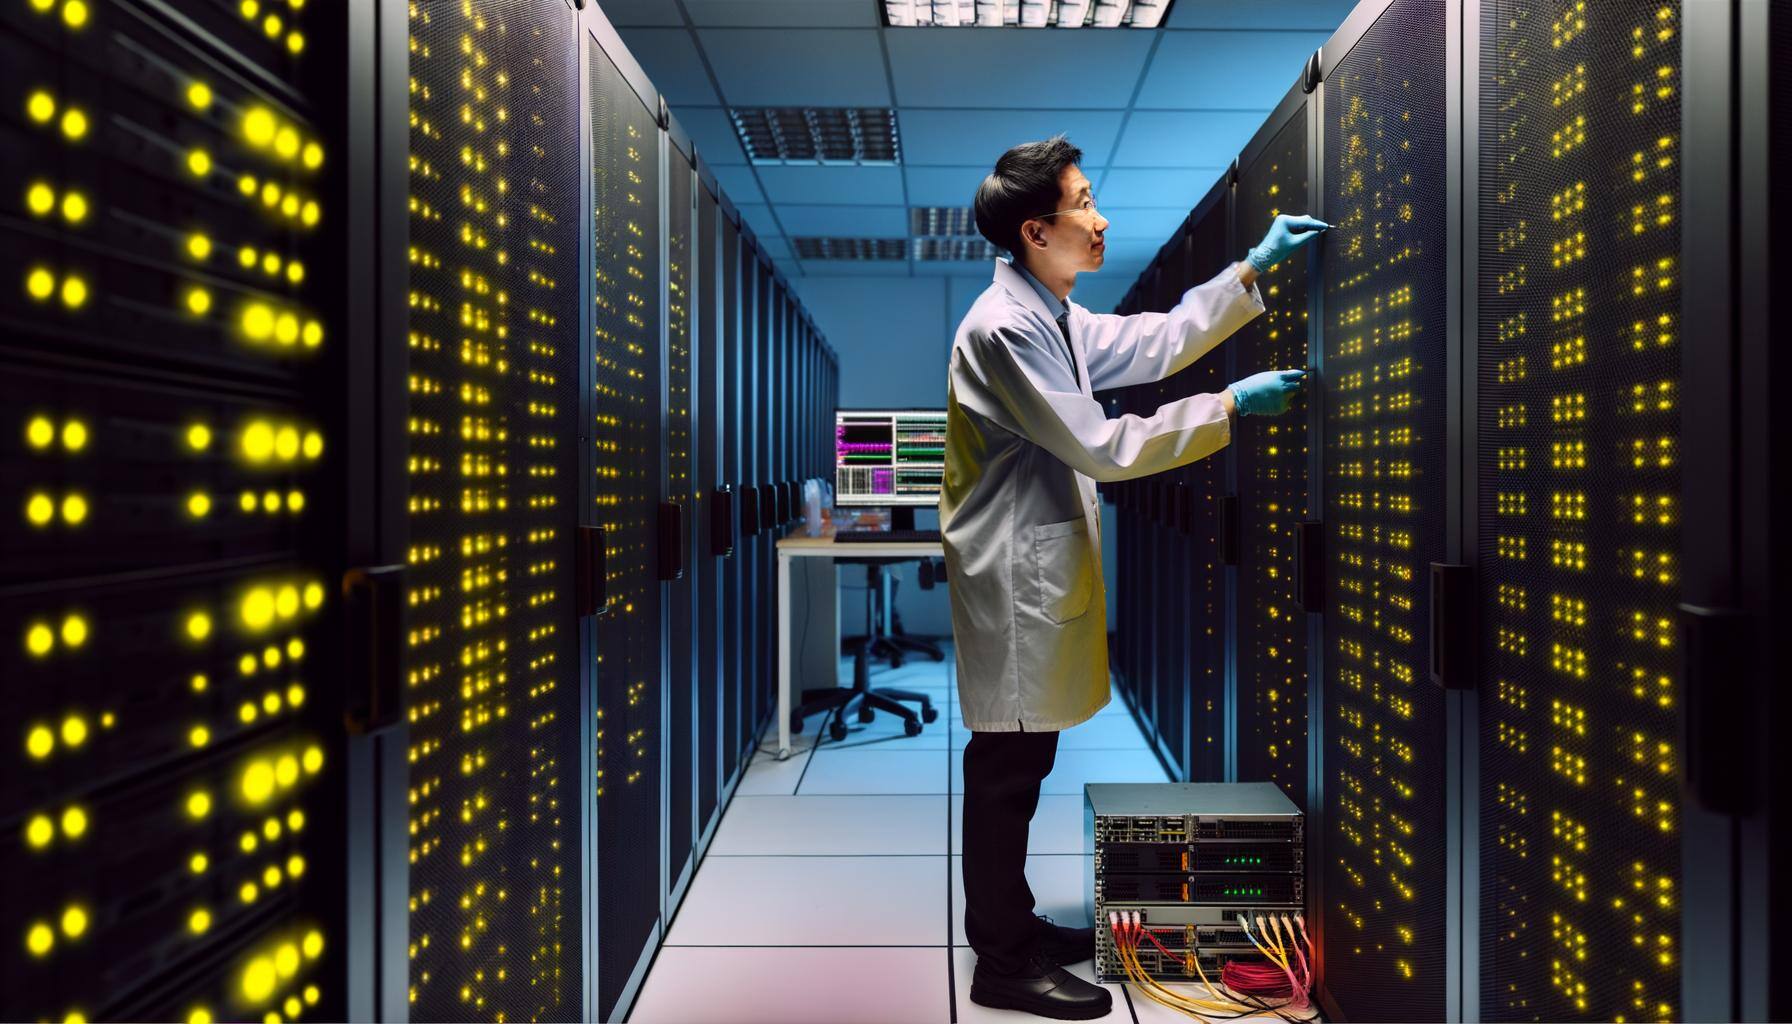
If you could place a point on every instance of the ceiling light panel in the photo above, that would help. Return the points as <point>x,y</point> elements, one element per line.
<point>851,248</point>
<point>1024,13</point>
<point>942,222</point>
<point>956,250</point>
<point>818,135</point>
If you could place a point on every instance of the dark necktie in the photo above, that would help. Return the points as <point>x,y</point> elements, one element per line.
<point>1064,329</point>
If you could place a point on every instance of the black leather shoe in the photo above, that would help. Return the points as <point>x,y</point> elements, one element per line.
<point>1065,946</point>
<point>1041,988</point>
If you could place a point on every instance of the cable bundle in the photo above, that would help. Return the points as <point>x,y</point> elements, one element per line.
<point>1275,987</point>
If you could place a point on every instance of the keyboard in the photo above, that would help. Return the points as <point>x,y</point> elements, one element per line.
<point>886,536</point>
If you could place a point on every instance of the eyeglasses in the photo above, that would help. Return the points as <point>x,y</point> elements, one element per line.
<point>1088,206</point>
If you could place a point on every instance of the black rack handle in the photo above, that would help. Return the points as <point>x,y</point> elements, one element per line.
<point>749,510</point>
<point>783,497</point>
<point>671,540</point>
<point>768,507</point>
<point>1717,729</point>
<point>592,571</point>
<point>1452,632</point>
<point>721,522</point>
<point>1229,529</point>
<point>373,602</point>
<point>1309,565</point>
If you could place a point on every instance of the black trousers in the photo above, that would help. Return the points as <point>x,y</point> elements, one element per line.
<point>1002,773</point>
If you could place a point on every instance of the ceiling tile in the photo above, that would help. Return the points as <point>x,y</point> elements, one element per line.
<point>738,183</point>
<point>713,132</point>
<point>975,138</point>
<point>943,186</point>
<point>977,67</point>
<point>870,186</point>
<point>1156,223</point>
<point>640,12</point>
<point>844,221</point>
<point>1185,138</point>
<point>759,218</point>
<point>1225,70</point>
<point>782,13</point>
<point>855,268</point>
<point>1319,15</point>
<point>783,68</point>
<point>670,59</point>
<point>1124,188</point>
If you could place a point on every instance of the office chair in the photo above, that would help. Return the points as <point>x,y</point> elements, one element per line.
<point>861,697</point>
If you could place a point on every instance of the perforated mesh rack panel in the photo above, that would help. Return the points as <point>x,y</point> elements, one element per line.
<point>170,466</point>
<point>679,594</point>
<point>1384,384</point>
<point>1203,622</point>
<point>626,434</point>
<point>711,435</point>
<point>1579,468</point>
<point>735,610</point>
<point>1272,487</point>
<point>493,686</point>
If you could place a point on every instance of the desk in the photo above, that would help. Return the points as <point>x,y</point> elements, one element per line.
<point>798,544</point>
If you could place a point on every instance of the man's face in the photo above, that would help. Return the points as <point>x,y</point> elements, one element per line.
<point>1070,240</point>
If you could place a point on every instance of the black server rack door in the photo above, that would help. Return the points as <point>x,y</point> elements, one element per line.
<point>494,404</point>
<point>626,437</point>
<point>1204,616</point>
<point>1271,652</point>
<point>755,616</point>
<point>1383,467</point>
<point>1151,669</point>
<point>710,475</point>
<point>1578,465</point>
<point>680,594</point>
<point>765,319</point>
<point>172,466</point>
<point>736,609</point>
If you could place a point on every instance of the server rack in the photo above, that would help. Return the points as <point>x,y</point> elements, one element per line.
<point>712,525</point>
<point>1198,509</point>
<point>1271,455</point>
<point>155,382</point>
<point>679,512</point>
<point>627,430</point>
<point>736,609</point>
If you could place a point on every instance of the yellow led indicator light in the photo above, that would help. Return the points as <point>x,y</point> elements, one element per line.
<point>74,630</point>
<point>39,742</point>
<point>74,292</point>
<point>246,501</point>
<point>39,831</point>
<point>40,199</point>
<point>199,162</point>
<point>74,13</point>
<point>199,1015</point>
<point>295,272</point>
<point>39,939</point>
<point>40,284</point>
<point>41,6</point>
<point>199,626</point>
<point>74,435</point>
<point>295,45</point>
<point>199,246</point>
<point>200,921</point>
<point>198,863</point>
<point>74,207</point>
<point>313,155</point>
<point>258,321</point>
<point>199,437</point>
<point>259,126</point>
<point>199,504</point>
<point>259,979</point>
<point>314,595</point>
<point>74,921</point>
<point>74,822</point>
<point>270,501</point>
<point>258,608</point>
<point>246,183</point>
<point>40,106</point>
<point>74,509</point>
<point>286,143</point>
<point>199,301</point>
<point>40,509</point>
<point>199,804</point>
<point>39,432</point>
<point>74,730</point>
<point>199,96</point>
<point>199,736</point>
<point>74,123</point>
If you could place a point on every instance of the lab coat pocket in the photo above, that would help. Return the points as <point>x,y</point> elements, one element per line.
<point>1066,571</point>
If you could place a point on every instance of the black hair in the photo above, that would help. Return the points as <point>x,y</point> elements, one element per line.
<point>1024,185</point>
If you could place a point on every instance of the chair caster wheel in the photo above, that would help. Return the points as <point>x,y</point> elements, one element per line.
<point>837,729</point>
<point>930,715</point>
<point>867,714</point>
<point>911,728</point>
<point>796,724</point>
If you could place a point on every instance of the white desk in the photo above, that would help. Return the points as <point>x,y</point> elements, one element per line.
<point>800,545</point>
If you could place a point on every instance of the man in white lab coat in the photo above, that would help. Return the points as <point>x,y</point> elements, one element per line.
<point>1025,444</point>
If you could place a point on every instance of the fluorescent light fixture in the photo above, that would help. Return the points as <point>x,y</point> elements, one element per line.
<point>851,248</point>
<point>955,250</point>
<point>1024,13</point>
<point>942,222</point>
<point>818,135</point>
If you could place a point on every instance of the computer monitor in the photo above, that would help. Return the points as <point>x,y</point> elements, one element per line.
<point>893,457</point>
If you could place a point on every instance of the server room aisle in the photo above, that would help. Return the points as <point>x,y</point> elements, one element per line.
<point>832,890</point>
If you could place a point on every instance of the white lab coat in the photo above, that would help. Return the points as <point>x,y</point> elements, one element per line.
<point>1019,515</point>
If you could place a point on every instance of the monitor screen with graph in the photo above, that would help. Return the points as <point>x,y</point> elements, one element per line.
<point>889,456</point>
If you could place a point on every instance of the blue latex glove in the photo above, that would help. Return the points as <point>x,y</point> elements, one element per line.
<point>1267,393</point>
<point>1288,233</point>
